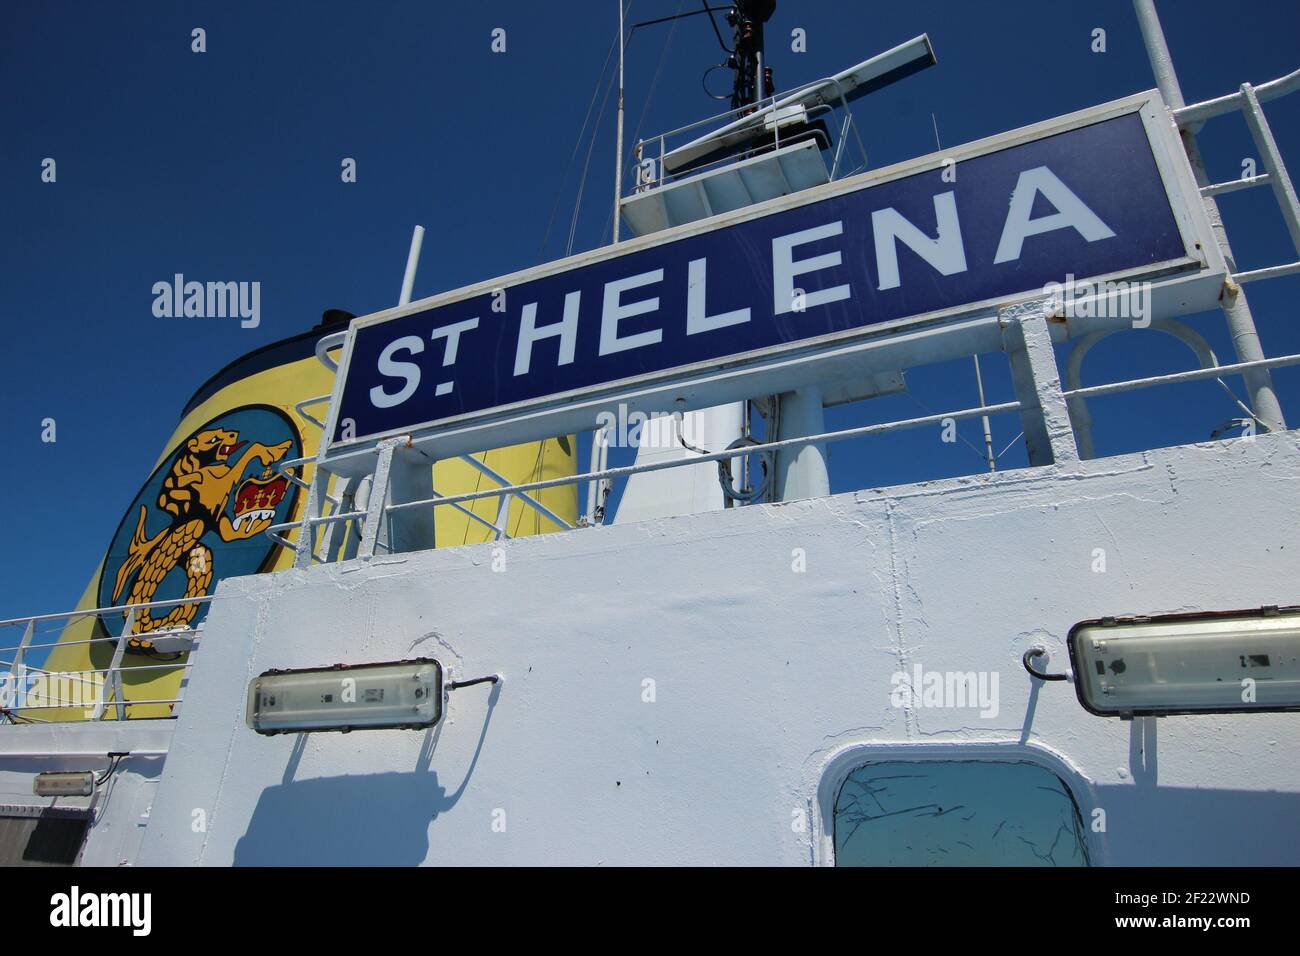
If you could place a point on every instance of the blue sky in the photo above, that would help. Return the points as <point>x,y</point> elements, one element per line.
<point>225,165</point>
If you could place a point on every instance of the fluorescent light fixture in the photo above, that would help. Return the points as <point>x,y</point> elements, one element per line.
<point>64,784</point>
<point>345,697</point>
<point>1219,662</point>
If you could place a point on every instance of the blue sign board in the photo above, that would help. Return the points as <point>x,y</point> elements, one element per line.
<point>1087,201</point>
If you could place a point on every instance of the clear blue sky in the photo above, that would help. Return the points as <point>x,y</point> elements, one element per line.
<point>225,165</point>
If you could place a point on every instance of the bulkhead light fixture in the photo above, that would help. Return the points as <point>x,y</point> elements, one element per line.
<point>401,694</point>
<point>1205,663</point>
<point>60,783</point>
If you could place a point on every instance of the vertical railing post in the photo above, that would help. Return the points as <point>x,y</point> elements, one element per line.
<point>503,516</point>
<point>28,633</point>
<point>311,512</point>
<point>17,675</point>
<point>114,676</point>
<point>335,532</point>
<point>410,479</point>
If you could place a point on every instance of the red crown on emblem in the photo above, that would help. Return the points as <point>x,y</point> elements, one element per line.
<point>258,497</point>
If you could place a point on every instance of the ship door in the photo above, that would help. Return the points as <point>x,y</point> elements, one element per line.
<point>957,813</point>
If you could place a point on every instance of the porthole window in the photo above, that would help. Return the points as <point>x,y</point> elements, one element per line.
<point>957,813</point>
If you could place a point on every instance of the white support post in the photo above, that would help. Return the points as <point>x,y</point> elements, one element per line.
<point>597,489</point>
<point>17,673</point>
<point>989,456</point>
<point>801,472</point>
<point>393,480</point>
<point>28,633</point>
<point>334,532</point>
<point>503,517</point>
<point>410,478</point>
<point>378,499</point>
<point>1044,416</point>
<point>311,511</point>
<point>412,265</point>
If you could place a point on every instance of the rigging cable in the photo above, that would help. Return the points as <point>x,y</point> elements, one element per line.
<point>714,23</point>
<point>629,165</point>
<point>586,165</point>
<point>663,55</point>
<point>577,143</point>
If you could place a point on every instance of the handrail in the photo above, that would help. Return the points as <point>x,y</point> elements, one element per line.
<point>1199,112</point>
<point>86,612</point>
<point>167,665</point>
<point>1173,377</point>
<point>760,111</point>
<point>300,407</point>
<point>107,683</point>
<point>634,469</point>
<point>800,441</point>
<point>664,178</point>
<point>831,436</point>
<point>325,343</point>
<point>116,703</point>
<point>753,109</point>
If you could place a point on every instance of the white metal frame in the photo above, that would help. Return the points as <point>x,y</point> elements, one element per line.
<point>837,767</point>
<point>786,367</point>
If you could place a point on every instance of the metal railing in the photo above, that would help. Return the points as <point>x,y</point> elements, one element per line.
<point>763,111</point>
<point>768,448</point>
<point>505,492</point>
<point>31,692</point>
<point>1247,101</point>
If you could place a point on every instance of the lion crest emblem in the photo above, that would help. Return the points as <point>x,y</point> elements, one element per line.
<point>201,517</point>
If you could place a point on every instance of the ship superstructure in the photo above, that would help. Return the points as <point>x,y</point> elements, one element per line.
<point>1061,664</point>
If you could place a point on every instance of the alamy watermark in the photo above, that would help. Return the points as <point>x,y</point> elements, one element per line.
<point>208,300</point>
<point>625,428</point>
<point>74,908</point>
<point>946,690</point>
<point>31,688</point>
<point>1102,300</point>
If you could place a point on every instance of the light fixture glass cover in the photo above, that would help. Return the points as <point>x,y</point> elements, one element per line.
<point>402,694</point>
<point>64,783</point>
<point>1216,662</point>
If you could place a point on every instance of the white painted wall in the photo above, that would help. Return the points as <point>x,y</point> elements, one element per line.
<point>766,680</point>
<point>119,808</point>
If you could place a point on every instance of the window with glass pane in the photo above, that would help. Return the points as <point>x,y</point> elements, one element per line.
<point>957,813</point>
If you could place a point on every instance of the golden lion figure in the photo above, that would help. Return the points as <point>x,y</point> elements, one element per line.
<point>195,493</point>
